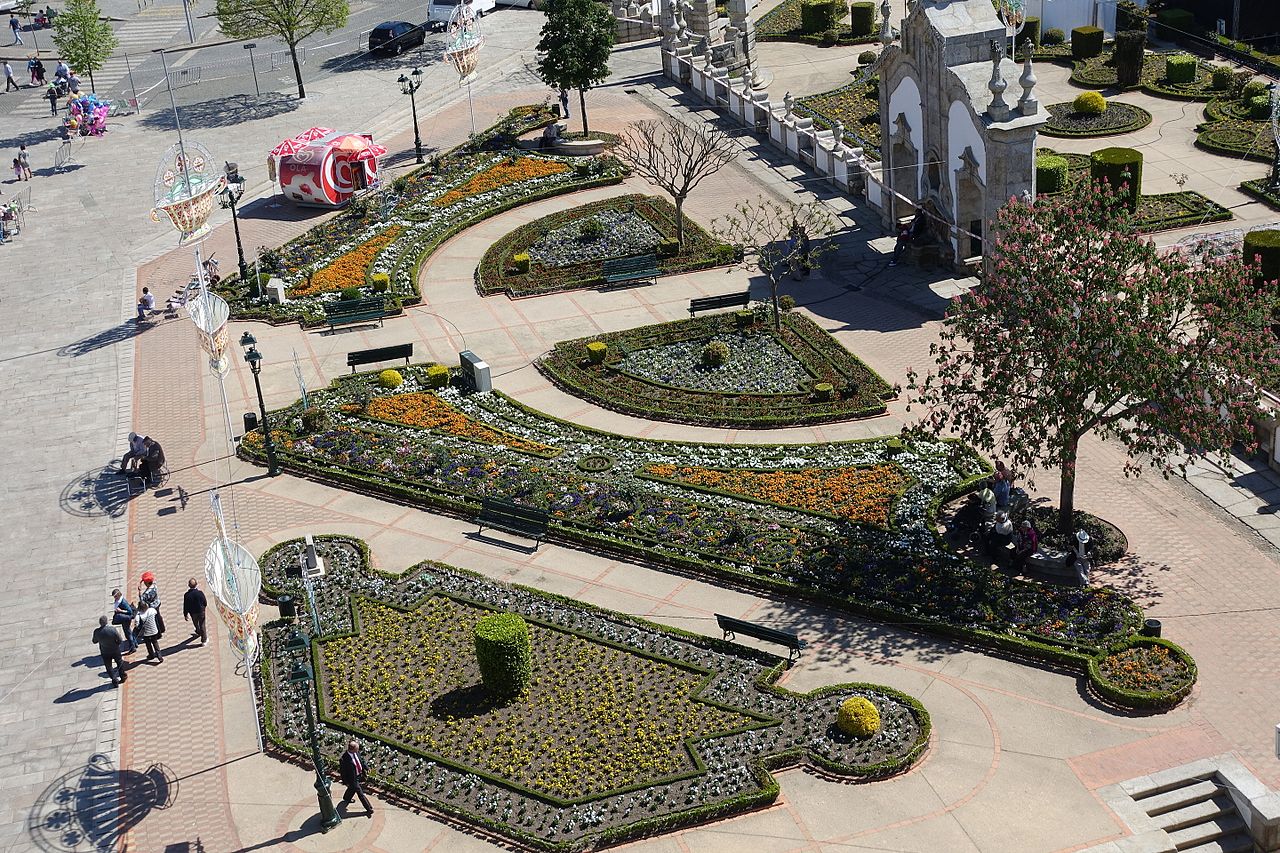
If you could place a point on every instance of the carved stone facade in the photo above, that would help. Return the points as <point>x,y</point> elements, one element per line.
<point>958,138</point>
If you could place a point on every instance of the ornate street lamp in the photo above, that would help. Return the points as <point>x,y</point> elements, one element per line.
<point>301,676</point>
<point>409,86</point>
<point>254,359</point>
<point>230,197</point>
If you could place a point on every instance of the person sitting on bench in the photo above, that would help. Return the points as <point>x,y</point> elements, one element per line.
<point>152,462</point>
<point>908,234</point>
<point>137,452</point>
<point>146,305</point>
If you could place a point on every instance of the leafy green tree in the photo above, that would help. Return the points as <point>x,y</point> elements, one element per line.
<point>291,21</point>
<point>1083,326</point>
<point>574,47</point>
<point>83,38</point>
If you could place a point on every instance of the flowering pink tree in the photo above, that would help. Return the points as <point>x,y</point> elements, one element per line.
<point>1083,326</point>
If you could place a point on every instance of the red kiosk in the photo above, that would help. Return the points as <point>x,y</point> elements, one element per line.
<point>322,167</point>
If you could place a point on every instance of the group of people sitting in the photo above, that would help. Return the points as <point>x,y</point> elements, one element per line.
<point>145,459</point>
<point>1006,544</point>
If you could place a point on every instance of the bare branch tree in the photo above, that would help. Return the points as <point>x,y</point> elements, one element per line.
<point>675,157</point>
<point>779,239</point>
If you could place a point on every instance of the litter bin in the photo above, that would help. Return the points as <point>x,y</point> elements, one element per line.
<point>250,422</point>
<point>1150,628</point>
<point>288,607</point>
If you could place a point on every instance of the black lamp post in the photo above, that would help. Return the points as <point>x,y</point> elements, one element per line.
<point>231,196</point>
<point>409,86</point>
<point>254,358</point>
<point>301,676</point>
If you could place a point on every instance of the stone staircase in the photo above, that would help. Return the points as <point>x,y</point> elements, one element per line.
<point>1214,805</point>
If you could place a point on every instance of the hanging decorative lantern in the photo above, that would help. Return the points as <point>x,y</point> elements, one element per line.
<point>464,40</point>
<point>186,189</point>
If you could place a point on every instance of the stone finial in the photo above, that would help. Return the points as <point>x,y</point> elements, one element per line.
<point>997,109</point>
<point>886,29</point>
<point>837,135</point>
<point>788,105</point>
<point>1028,103</point>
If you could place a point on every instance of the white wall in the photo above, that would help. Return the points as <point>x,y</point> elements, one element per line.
<point>905,100</point>
<point>962,133</point>
<point>1066,15</point>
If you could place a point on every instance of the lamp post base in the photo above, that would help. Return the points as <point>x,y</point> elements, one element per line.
<point>329,817</point>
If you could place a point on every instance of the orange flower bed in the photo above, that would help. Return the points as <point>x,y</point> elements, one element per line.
<point>347,270</point>
<point>430,412</point>
<point>501,175</point>
<point>863,495</point>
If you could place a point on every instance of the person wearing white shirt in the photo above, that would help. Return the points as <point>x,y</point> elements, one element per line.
<point>146,304</point>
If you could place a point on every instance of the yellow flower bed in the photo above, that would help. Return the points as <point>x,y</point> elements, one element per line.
<point>430,412</point>
<point>501,175</point>
<point>346,270</point>
<point>862,495</point>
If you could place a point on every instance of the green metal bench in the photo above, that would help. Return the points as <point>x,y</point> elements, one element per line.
<point>623,270</point>
<point>727,300</point>
<point>513,518</point>
<point>732,627</point>
<point>348,311</point>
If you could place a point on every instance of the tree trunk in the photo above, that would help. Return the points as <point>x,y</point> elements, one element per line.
<point>297,71</point>
<point>91,86</point>
<point>582,108</point>
<point>679,221</point>
<point>777,310</point>
<point>1067,494</point>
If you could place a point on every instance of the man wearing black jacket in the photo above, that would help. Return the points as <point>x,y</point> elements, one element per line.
<point>352,771</point>
<point>193,606</point>
<point>108,640</point>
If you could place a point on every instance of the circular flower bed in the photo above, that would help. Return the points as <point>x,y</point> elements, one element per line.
<point>617,233</point>
<point>1106,542</point>
<point>1143,672</point>
<point>1117,118</point>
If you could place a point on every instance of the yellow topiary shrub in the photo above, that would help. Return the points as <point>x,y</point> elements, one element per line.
<point>1090,103</point>
<point>390,379</point>
<point>858,717</point>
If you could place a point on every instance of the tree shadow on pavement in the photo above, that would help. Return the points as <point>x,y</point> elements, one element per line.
<point>363,60</point>
<point>99,493</point>
<point>123,332</point>
<point>222,112</point>
<point>92,808</point>
<point>33,137</point>
<point>1133,576</point>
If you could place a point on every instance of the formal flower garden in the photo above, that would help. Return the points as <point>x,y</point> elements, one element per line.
<point>855,105</point>
<point>794,374</point>
<point>850,524</point>
<point>376,245</point>
<point>1067,120</point>
<point>567,250</point>
<point>624,727</point>
<point>785,22</point>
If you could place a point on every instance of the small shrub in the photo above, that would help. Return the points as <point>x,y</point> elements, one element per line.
<point>724,253</point>
<point>381,282</point>
<point>822,391</point>
<point>502,651</point>
<point>1030,32</point>
<point>862,18</point>
<point>715,354</point>
<point>1053,37</point>
<point>668,249</point>
<point>1222,79</point>
<point>390,378</point>
<point>1090,103</point>
<point>1253,89</point>
<point>597,351</point>
<point>867,57</point>
<point>591,229</point>
<point>829,38</point>
<point>314,420</point>
<point>1052,173</point>
<point>437,376</point>
<point>521,262</point>
<point>1180,68</point>
<point>787,303</point>
<point>1086,43</point>
<point>1260,107</point>
<point>817,16</point>
<point>744,319</point>
<point>350,293</point>
<point>857,717</point>
<point>400,184</point>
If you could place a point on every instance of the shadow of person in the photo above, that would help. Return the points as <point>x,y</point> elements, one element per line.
<point>100,493</point>
<point>123,332</point>
<point>93,807</point>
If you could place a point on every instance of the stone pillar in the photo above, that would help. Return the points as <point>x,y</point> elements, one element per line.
<point>702,18</point>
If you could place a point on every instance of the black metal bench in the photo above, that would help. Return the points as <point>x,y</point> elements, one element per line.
<point>355,311</point>
<point>513,518</point>
<point>623,270</point>
<point>726,300</point>
<point>732,626</point>
<point>373,356</point>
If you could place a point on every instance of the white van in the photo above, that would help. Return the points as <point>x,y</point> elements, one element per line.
<point>439,11</point>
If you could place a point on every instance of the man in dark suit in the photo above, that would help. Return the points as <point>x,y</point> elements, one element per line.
<point>108,640</point>
<point>352,771</point>
<point>193,606</point>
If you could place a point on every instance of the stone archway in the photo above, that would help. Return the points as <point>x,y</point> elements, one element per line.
<point>903,168</point>
<point>970,203</point>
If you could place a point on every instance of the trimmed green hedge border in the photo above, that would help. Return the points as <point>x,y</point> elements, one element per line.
<point>1138,122</point>
<point>1141,699</point>
<point>1258,189</point>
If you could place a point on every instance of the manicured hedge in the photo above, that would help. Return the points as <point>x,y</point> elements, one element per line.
<point>1261,190</point>
<point>862,18</point>
<point>1141,699</point>
<point>1117,166</point>
<point>1051,174</point>
<point>502,651</point>
<point>1262,247</point>
<point>1180,68</point>
<point>1030,32</point>
<point>1128,56</point>
<point>1177,23</point>
<point>817,16</point>
<point>1086,42</point>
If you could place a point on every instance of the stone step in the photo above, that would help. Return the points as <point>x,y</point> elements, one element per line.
<point>1203,833</point>
<point>1198,812</point>
<point>1236,843</point>
<point>1148,786</point>
<point>1189,792</point>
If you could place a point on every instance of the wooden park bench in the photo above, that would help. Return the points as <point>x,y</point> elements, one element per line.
<point>513,518</point>
<point>348,311</point>
<point>624,270</point>
<point>732,626</point>
<point>726,300</point>
<point>373,356</point>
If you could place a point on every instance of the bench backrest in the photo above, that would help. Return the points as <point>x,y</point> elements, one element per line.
<point>640,263</point>
<point>761,632</point>
<point>495,509</point>
<point>371,356</point>
<point>722,301</point>
<point>355,306</point>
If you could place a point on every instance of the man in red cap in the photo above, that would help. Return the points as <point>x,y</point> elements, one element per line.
<point>148,595</point>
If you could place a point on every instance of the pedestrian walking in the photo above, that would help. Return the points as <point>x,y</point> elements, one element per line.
<point>564,103</point>
<point>39,72</point>
<point>194,605</point>
<point>17,31</point>
<point>123,616</point>
<point>51,95</point>
<point>24,159</point>
<point>108,640</point>
<point>352,771</point>
<point>31,69</point>
<point>9,82</point>
<point>150,631</point>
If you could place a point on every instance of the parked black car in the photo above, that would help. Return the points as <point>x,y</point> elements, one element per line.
<point>395,37</point>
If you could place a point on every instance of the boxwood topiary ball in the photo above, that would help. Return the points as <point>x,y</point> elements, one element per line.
<point>857,717</point>
<point>390,379</point>
<point>1260,107</point>
<point>715,354</point>
<point>1090,103</point>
